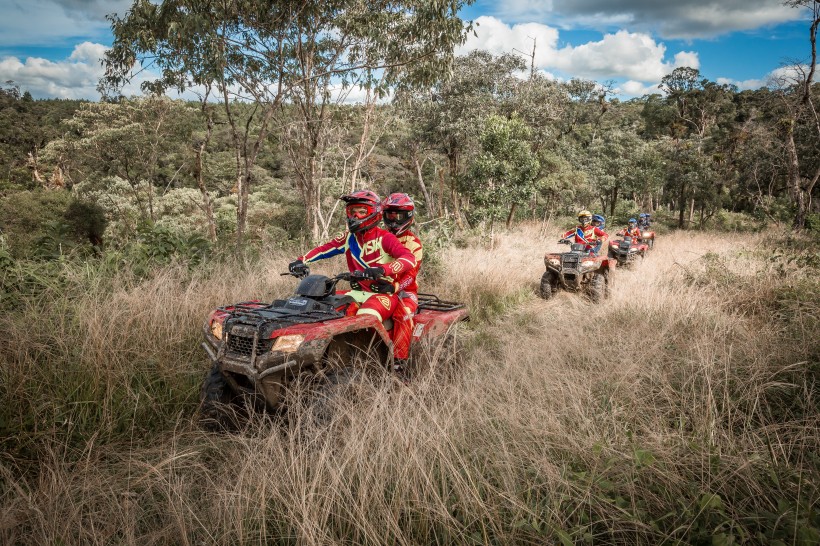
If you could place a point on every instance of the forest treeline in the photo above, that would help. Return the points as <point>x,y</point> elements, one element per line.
<point>478,140</point>
<point>485,146</point>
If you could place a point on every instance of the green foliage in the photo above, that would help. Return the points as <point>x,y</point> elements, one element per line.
<point>26,126</point>
<point>162,244</point>
<point>49,223</point>
<point>504,174</point>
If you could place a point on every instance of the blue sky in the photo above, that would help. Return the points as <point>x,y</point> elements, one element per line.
<point>52,47</point>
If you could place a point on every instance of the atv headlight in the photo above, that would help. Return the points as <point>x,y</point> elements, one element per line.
<point>288,344</point>
<point>587,264</point>
<point>216,329</point>
<point>555,262</point>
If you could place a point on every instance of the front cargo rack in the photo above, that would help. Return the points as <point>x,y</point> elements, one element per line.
<point>266,312</point>
<point>431,302</point>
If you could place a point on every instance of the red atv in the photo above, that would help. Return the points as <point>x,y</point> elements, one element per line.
<point>648,238</point>
<point>259,349</point>
<point>625,251</point>
<point>576,270</point>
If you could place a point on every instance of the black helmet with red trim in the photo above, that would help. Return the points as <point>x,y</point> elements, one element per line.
<point>399,211</point>
<point>363,210</point>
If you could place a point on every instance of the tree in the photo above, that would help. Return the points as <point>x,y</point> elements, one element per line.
<point>272,53</point>
<point>452,112</point>
<point>142,141</point>
<point>794,87</point>
<point>504,174</point>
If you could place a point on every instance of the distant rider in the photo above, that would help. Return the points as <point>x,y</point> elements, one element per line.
<point>373,254</point>
<point>599,222</point>
<point>644,220</point>
<point>585,232</point>
<point>631,230</point>
<point>398,210</point>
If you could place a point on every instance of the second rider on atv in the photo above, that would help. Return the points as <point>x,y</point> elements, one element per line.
<point>399,214</point>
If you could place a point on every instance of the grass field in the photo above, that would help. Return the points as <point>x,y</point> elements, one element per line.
<point>683,410</point>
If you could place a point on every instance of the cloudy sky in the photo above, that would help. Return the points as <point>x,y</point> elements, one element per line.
<point>52,47</point>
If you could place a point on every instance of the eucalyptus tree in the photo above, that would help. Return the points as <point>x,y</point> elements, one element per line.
<point>144,142</point>
<point>800,122</point>
<point>700,108</point>
<point>287,51</point>
<point>504,173</point>
<point>450,115</point>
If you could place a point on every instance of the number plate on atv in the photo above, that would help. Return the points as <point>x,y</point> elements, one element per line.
<point>417,331</point>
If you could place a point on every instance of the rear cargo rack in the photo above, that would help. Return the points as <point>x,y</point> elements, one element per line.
<point>431,302</point>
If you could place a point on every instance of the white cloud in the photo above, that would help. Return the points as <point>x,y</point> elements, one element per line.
<point>73,78</point>
<point>785,75</point>
<point>627,55</point>
<point>498,38</point>
<point>680,19</point>
<point>56,23</point>
<point>631,88</point>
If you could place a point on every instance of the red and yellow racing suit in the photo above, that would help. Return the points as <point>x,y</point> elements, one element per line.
<point>587,234</point>
<point>408,298</point>
<point>372,248</point>
<point>630,232</point>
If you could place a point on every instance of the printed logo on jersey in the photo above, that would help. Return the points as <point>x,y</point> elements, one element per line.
<point>371,246</point>
<point>395,266</point>
<point>385,301</point>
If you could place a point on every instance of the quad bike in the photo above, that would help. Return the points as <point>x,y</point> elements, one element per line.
<point>648,238</point>
<point>258,350</point>
<point>577,270</point>
<point>625,251</point>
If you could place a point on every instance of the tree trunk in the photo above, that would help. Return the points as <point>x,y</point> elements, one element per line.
<point>614,200</point>
<point>207,204</point>
<point>682,203</point>
<point>454,193</point>
<point>427,198</point>
<point>691,211</point>
<point>511,214</point>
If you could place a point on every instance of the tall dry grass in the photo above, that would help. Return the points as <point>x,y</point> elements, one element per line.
<point>682,410</point>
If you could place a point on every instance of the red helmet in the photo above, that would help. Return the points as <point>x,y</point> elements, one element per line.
<point>399,210</point>
<point>363,210</point>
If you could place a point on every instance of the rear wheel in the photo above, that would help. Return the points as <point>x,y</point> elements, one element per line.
<point>546,285</point>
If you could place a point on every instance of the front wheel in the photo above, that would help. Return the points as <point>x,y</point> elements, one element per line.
<point>598,287</point>
<point>546,285</point>
<point>217,413</point>
<point>338,388</point>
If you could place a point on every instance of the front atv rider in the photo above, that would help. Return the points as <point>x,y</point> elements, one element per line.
<point>586,233</point>
<point>399,214</point>
<point>631,230</point>
<point>375,257</point>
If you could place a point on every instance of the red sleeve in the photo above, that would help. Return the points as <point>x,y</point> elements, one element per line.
<point>568,233</point>
<point>600,233</point>
<point>331,248</point>
<point>404,259</point>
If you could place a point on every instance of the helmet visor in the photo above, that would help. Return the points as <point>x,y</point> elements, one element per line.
<point>358,211</point>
